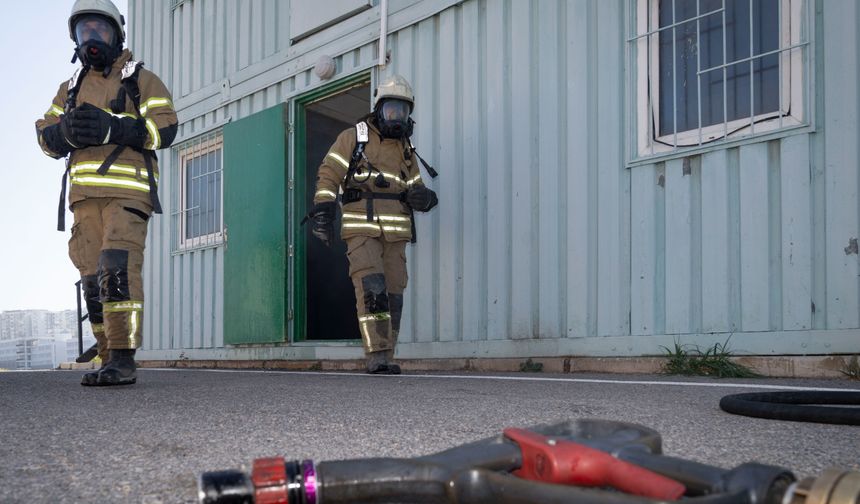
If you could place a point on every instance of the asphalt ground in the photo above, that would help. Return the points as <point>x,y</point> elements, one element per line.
<point>147,443</point>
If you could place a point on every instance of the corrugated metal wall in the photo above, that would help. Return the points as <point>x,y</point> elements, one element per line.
<point>544,242</point>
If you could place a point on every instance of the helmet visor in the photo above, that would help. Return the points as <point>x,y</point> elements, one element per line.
<point>395,110</point>
<point>94,28</point>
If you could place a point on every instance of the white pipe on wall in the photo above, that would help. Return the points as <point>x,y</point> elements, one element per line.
<point>383,31</point>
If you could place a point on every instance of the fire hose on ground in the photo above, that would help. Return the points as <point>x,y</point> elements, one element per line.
<point>818,406</point>
<point>583,461</point>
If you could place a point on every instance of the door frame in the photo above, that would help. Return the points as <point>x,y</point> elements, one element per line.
<point>298,207</point>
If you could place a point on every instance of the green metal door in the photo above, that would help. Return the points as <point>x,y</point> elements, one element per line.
<point>255,209</point>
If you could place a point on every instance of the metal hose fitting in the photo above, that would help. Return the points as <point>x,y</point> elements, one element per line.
<point>834,486</point>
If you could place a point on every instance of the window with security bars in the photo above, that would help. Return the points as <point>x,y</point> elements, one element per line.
<point>712,70</point>
<point>199,218</point>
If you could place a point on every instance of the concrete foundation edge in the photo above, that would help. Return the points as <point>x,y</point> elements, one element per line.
<point>776,367</point>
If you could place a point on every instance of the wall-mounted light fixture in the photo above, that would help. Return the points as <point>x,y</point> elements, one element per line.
<point>325,67</point>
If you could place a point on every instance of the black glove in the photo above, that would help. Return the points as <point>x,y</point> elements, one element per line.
<point>421,198</point>
<point>87,125</point>
<point>128,131</point>
<point>55,140</point>
<point>66,132</point>
<point>323,215</point>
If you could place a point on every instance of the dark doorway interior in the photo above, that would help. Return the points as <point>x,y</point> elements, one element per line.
<point>331,311</point>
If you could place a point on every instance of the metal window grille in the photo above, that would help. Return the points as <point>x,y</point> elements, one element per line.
<point>198,218</point>
<point>711,70</point>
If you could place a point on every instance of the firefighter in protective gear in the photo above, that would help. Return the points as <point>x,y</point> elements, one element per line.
<point>373,171</point>
<point>107,121</point>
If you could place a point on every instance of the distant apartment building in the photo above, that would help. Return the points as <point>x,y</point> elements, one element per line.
<point>8,354</point>
<point>40,339</point>
<point>37,324</point>
<point>40,353</point>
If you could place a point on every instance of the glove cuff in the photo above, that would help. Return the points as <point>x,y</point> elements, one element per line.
<point>325,207</point>
<point>128,131</point>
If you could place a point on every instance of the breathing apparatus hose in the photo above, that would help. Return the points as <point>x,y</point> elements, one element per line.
<point>796,406</point>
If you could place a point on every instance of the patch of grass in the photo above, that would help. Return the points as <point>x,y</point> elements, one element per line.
<point>852,368</point>
<point>715,361</point>
<point>529,366</point>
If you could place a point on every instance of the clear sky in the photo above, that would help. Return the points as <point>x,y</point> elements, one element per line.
<point>35,270</point>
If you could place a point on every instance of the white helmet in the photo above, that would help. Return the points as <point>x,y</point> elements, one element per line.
<point>395,86</point>
<point>104,7</point>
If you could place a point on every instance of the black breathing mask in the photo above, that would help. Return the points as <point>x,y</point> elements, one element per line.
<point>392,116</point>
<point>98,43</point>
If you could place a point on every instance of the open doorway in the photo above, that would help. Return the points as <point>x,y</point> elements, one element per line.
<point>330,298</point>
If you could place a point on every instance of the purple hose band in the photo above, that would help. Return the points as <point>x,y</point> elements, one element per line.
<point>310,478</point>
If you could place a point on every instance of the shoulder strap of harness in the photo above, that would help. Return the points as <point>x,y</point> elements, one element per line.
<point>129,79</point>
<point>73,88</point>
<point>131,88</point>
<point>71,102</point>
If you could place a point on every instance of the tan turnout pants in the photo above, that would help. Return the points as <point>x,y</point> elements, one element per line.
<point>378,271</point>
<point>108,238</point>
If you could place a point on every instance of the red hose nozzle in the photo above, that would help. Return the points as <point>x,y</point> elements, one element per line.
<point>565,462</point>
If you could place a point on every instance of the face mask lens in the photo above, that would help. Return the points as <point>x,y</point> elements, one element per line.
<point>395,110</point>
<point>95,29</point>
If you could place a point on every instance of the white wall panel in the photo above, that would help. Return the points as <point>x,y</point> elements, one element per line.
<point>446,157</point>
<point>716,274</point>
<point>613,266</point>
<point>678,245</point>
<point>523,171</point>
<point>497,154</point>
<point>842,170</point>
<point>549,168</point>
<point>645,190</point>
<point>473,167</point>
<point>424,269</point>
<point>755,270</point>
<point>581,171</point>
<point>796,231</point>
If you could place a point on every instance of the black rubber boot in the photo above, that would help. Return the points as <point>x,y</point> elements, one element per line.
<point>91,379</point>
<point>121,370</point>
<point>389,356</point>
<point>377,363</point>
